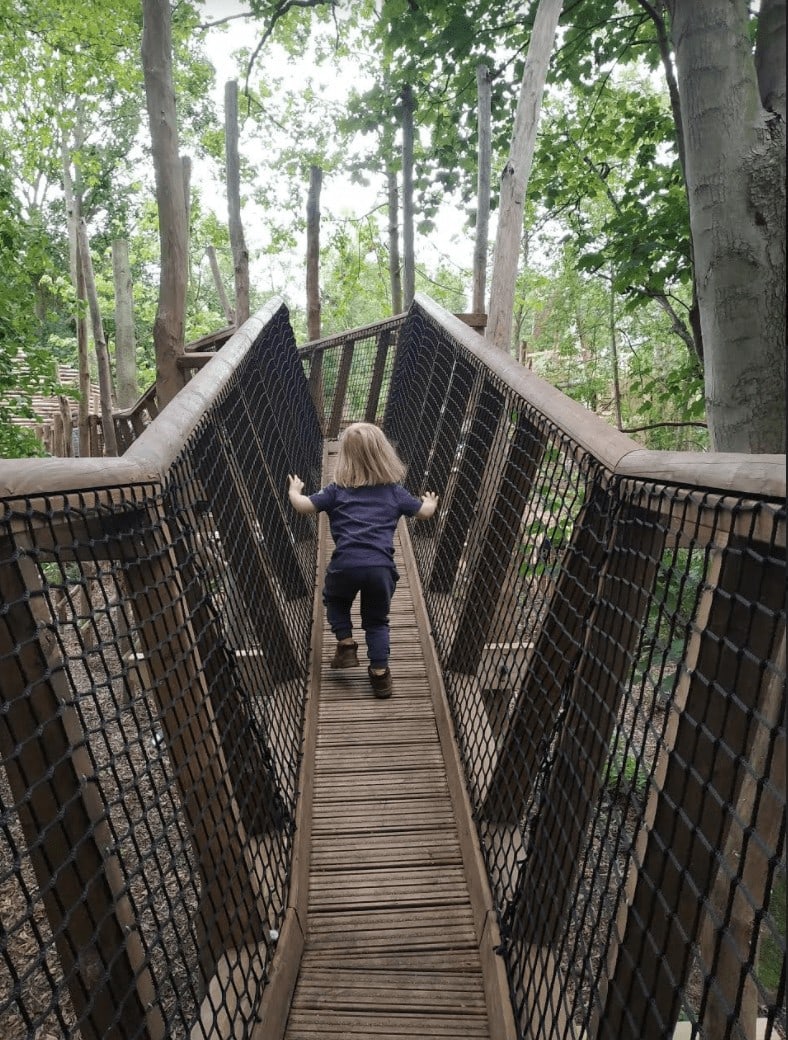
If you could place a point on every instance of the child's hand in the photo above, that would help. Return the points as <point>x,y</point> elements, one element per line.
<point>429,503</point>
<point>298,500</point>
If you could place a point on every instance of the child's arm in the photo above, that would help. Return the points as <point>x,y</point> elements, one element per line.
<point>298,501</point>
<point>429,503</point>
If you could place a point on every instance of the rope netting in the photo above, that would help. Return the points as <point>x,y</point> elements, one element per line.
<point>611,629</point>
<point>154,640</point>
<point>613,651</point>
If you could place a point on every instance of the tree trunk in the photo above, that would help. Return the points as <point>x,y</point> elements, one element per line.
<point>614,356</point>
<point>125,341</point>
<point>395,265</point>
<point>100,344</point>
<point>313,253</point>
<point>240,252</point>
<point>408,238</point>
<point>229,313</point>
<point>514,180</point>
<point>484,91</point>
<point>186,169</point>
<point>84,365</point>
<point>168,327</point>
<point>735,169</point>
<point>73,198</point>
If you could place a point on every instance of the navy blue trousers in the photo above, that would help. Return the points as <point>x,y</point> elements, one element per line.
<point>376,585</point>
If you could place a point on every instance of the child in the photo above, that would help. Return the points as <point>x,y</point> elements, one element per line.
<point>363,504</point>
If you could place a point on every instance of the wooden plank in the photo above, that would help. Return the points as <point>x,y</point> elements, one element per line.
<point>391,950</point>
<point>391,1027</point>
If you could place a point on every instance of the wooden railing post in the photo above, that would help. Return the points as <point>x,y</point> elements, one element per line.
<point>340,391</point>
<point>501,537</point>
<point>241,729</point>
<point>719,704</point>
<point>465,495</point>
<point>241,547</point>
<point>618,606</point>
<point>230,913</point>
<point>65,820</point>
<point>550,663</point>
<point>378,370</point>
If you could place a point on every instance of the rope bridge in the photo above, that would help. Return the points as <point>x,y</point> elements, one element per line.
<point>606,627</point>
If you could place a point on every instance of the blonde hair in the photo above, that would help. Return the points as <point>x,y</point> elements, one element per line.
<point>366,456</point>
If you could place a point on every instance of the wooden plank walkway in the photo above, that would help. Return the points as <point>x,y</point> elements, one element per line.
<point>390,951</point>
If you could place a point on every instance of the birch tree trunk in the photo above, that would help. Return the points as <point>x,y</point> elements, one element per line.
<point>733,118</point>
<point>408,236</point>
<point>168,327</point>
<point>125,340</point>
<point>484,93</point>
<point>395,264</point>
<point>100,344</point>
<point>240,252</point>
<point>514,180</point>
<point>313,253</point>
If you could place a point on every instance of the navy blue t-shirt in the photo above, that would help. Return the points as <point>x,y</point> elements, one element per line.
<point>363,521</point>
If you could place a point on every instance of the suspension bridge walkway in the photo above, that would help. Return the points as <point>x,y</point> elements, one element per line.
<point>568,823</point>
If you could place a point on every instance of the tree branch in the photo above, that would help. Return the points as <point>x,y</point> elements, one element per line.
<point>656,425</point>
<point>281,9</point>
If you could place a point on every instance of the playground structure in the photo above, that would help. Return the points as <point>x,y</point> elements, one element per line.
<point>603,639</point>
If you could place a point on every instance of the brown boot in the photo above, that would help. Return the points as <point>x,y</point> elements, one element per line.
<point>345,656</point>
<point>381,684</point>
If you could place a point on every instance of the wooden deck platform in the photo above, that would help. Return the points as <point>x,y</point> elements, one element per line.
<point>391,952</point>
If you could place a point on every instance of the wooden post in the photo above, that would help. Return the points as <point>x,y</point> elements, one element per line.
<point>221,292</point>
<point>237,240</point>
<point>600,672</point>
<point>168,327</point>
<point>313,253</point>
<point>340,391</point>
<point>395,265</point>
<point>65,820</point>
<point>378,370</point>
<point>99,343</point>
<point>408,238</point>
<point>231,911</point>
<point>452,536</point>
<point>483,122</point>
<point>557,646</point>
<point>316,388</point>
<point>700,774</point>
<point>125,340</point>
<point>244,554</point>
<point>745,873</point>
<point>514,180</point>
<point>65,414</point>
<point>500,540</point>
<point>246,750</point>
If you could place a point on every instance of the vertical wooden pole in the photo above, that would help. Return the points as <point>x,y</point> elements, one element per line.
<point>557,646</point>
<point>500,540</point>
<point>237,240</point>
<point>702,767</point>
<point>230,912</point>
<point>65,820</point>
<point>395,264</point>
<point>483,123</point>
<point>408,236</point>
<point>313,253</point>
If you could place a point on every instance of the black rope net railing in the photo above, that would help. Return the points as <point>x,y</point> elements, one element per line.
<point>349,374</point>
<point>611,628</point>
<point>154,642</point>
<point>613,651</point>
